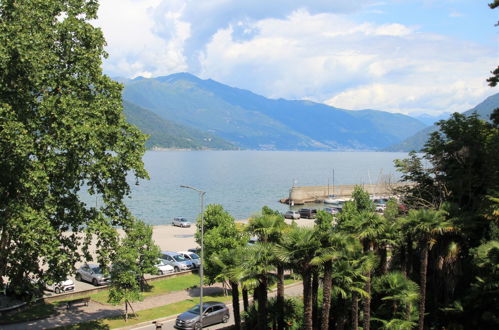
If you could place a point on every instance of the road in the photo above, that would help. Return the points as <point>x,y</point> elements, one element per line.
<point>290,291</point>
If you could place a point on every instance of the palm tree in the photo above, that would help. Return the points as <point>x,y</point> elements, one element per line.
<point>396,299</point>
<point>298,248</point>
<point>370,229</point>
<point>349,283</point>
<point>257,269</point>
<point>228,270</point>
<point>426,226</point>
<point>269,228</point>
<point>333,246</point>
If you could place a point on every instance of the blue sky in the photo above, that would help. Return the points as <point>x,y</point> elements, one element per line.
<point>408,56</point>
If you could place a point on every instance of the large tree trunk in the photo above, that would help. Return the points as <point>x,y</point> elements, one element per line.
<point>235,305</point>
<point>245,299</point>
<point>367,303</point>
<point>355,311</point>
<point>307,300</point>
<point>326,295</point>
<point>280,298</point>
<point>315,299</point>
<point>383,264</point>
<point>422,284</point>
<point>262,303</point>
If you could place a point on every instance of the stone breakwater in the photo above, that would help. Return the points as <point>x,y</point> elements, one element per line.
<point>310,194</point>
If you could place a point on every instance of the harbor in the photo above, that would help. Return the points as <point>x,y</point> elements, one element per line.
<point>299,195</point>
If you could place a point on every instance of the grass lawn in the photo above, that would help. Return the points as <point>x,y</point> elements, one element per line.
<point>34,312</point>
<point>168,285</point>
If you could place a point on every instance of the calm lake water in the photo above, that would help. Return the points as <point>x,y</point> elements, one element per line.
<point>244,181</point>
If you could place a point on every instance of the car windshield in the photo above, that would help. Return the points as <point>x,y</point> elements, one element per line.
<point>194,310</point>
<point>179,258</point>
<point>194,256</point>
<point>96,270</point>
<point>183,220</point>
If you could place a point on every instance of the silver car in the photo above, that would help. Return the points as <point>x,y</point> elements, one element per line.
<point>193,257</point>
<point>177,261</point>
<point>181,222</point>
<point>213,313</point>
<point>92,274</point>
<point>292,215</point>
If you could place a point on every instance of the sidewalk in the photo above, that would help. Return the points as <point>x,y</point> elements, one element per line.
<point>95,311</point>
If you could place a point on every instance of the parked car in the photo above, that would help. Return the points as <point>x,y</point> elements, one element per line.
<point>213,313</point>
<point>253,240</point>
<point>193,257</point>
<point>332,210</point>
<point>308,213</point>
<point>92,274</point>
<point>64,286</point>
<point>181,222</point>
<point>195,250</point>
<point>292,215</point>
<point>177,261</point>
<point>164,268</point>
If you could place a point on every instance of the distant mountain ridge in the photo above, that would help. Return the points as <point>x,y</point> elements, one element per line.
<point>252,121</point>
<point>166,134</point>
<point>418,140</point>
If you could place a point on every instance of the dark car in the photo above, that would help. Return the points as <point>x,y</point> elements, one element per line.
<point>308,213</point>
<point>214,312</point>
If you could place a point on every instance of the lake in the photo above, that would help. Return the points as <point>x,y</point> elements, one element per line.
<point>244,181</point>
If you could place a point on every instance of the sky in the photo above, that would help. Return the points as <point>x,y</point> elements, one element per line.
<point>406,56</point>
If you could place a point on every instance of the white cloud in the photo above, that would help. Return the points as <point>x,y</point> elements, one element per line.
<point>295,49</point>
<point>136,45</point>
<point>329,58</point>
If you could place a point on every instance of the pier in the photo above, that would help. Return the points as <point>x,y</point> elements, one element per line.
<point>309,194</point>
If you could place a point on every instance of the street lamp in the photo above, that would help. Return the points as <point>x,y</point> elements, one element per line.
<point>201,197</point>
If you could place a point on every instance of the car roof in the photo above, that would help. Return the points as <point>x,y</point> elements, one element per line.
<point>186,252</point>
<point>213,303</point>
<point>169,253</point>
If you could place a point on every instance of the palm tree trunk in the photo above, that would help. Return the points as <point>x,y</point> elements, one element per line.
<point>315,299</point>
<point>235,305</point>
<point>326,294</point>
<point>355,311</point>
<point>280,298</point>
<point>367,303</point>
<point>383,269</point>
<point>307,300</point>
<point>245,299</point>
<point>262,303</point>
<point>422,285</point>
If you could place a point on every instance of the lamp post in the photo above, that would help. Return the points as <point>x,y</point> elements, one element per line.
<point>201,197</point>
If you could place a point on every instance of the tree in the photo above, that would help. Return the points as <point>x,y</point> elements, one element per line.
<point>494,80</point>
<point>334,245</point>
<point>396,299</point>
<point>135,256</point>
<point>61,131</point>
<point>269,227</point>
<point>426,226</point>
<point>222,240</point>
<point>298,248</point>
<point>125,278</point>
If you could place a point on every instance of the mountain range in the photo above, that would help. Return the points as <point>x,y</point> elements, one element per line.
<point>167,134</point>
<point>418,140</point>
<point>237,118</point>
